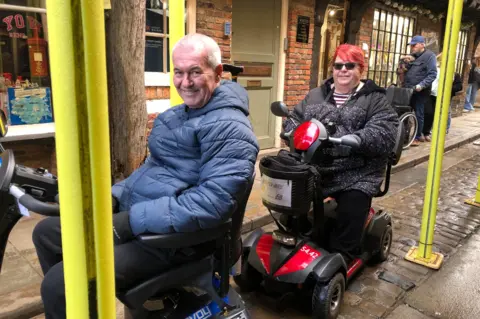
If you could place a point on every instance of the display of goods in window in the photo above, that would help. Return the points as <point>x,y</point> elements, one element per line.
<point>38,57</point>
<point>30,105</point>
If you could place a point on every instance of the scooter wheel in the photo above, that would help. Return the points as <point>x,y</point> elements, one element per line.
<point>328,297</point>
<point>249,278</point>
<point>384,245</point>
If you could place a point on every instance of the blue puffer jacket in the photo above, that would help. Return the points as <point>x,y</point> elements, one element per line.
<point>200,162</point>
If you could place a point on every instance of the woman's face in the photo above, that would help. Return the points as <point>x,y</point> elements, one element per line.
<point>345,78</point>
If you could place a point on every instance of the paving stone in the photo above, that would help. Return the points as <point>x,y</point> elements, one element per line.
<point>372,309</point>
<point>413,267</point>
<point>378,297</point>
<point>349,298</point>
<point>406,312</point>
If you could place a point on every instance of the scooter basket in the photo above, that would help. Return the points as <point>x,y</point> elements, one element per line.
<point>288,185</point>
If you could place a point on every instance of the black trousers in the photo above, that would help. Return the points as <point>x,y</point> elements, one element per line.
<point>352,211</point>
<point>134,263</point>
<point>429,115</point>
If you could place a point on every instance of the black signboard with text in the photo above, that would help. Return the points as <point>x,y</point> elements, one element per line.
<point>303,29</point>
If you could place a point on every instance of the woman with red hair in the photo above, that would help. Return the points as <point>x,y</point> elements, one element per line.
<point>358,108</point>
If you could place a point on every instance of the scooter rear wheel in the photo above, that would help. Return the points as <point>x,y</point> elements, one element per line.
<point>328,297</point>
<point>385,244</point>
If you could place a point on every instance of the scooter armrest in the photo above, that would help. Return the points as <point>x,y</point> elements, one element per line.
<point>183,240</point>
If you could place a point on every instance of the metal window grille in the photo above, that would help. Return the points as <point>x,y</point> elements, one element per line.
<point>461,52</point>
<point>390,35</point>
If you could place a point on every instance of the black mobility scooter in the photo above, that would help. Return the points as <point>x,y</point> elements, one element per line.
<point>294,262</point>
<point>196,290</point>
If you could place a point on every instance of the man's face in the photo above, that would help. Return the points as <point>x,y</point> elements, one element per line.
<point>417,48</point>
<point>193,78</point>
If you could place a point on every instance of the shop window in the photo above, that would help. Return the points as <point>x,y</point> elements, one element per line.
<point>157,44</point>
<point>390,35</point>
<point>24,65</point>
<point>461,52</point>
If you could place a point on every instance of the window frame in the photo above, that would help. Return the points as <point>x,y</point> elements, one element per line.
<point>389,75</point>
<point>461,52</point>
<point>163,78</point>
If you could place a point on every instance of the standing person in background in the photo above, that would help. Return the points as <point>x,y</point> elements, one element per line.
<point>420,76</point>
<point>457,86</point>
<point>473,85</point>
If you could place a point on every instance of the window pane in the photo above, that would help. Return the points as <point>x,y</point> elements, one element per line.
<point>392,42</point>
<point>389,23</point>
<point>24,47</point>
<point>406,25</point>
<point>154,17</point>
<point>400,25</point>
<point>371,62</point>
<point>382,20</point>
<point>154,54</point>
<point>374,39</point>
<point>375,19</point>
<point>381,35</point>
<point>395,23</point>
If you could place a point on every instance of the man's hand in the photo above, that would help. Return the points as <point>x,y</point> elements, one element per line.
<point>122,232</point>
<point>418,88</point>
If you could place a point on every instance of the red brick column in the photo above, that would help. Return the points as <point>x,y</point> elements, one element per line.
<point>299,55</point>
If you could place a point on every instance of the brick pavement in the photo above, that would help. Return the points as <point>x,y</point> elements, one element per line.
<point>370,297</point>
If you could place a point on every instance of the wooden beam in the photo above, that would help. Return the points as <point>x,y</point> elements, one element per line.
<point>320,8</point>
<point>354,20</point>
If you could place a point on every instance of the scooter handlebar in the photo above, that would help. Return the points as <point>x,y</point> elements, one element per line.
<point>33,204</point>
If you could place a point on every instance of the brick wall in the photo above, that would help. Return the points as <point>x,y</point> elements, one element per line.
<point>364,34</point>
<point>34,153</point>
<point>299,55</point>
<point>211,17</point>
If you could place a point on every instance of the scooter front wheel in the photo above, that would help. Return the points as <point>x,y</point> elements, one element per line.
<point>328,297</point>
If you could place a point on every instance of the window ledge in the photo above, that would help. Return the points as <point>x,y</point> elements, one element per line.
<point>29,132</point>
<point>157,79</point>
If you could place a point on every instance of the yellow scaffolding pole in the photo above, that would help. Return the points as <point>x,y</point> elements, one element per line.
<point>78,67</point>
<point>177,31</point>
<point>476,200</point>
<point>423,253</point>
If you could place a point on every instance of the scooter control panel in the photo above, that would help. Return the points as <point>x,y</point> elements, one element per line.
<point>37,182</point>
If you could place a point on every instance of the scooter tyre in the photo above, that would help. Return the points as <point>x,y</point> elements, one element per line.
<point>384,246</point>
<point>327,298</point>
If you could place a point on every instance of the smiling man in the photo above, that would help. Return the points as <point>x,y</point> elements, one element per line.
<point>203,155</point>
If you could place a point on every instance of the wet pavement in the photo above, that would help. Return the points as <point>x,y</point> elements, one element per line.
<point>370,297</point>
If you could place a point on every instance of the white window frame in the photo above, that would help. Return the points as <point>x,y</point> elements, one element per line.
<point>163,78</point>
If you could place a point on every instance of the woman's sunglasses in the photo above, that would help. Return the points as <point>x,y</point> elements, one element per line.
<point>348,65</point>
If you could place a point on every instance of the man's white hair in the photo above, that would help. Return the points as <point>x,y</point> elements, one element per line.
<point>198,42</point>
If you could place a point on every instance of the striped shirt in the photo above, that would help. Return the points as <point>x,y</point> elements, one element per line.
<point>340,99</point>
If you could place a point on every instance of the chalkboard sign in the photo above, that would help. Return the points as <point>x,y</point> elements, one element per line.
<point>154,54</point>
<point>303,29</point>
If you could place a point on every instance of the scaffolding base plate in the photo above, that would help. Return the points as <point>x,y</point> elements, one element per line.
<point>434,262</point>
<point>472,202</point>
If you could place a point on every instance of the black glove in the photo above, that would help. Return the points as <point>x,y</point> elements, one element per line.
<point>352,140</point>
<point>122,232</point>
<point>115,205</point>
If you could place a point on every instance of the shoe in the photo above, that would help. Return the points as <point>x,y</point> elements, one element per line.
<point>416,143</point>
<point>428,138</point>
<point>421,139</point>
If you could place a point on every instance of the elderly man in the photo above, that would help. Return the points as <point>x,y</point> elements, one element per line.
<point>203,153</point>
<point>420,76</point>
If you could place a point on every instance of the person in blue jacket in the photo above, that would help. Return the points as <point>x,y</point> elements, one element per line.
<point>202,156</point>
<point>420,76</point>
